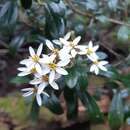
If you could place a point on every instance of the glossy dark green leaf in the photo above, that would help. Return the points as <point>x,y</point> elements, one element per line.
<point>123,33</point>
<point>55,26</point>
<point>72,78</point>
<point>58,10</point>
<point>112,4</point>
<point>57,1</point>
<point>116,114</point>
<point>26,4</point>
<point>17,42</point>
<point>19,80</point>
<point>82,82</point>
<point>91,107</point>
<point>34,113</point>
<point>8,14</point>
<point>53,104</point>
<point>71,103</point>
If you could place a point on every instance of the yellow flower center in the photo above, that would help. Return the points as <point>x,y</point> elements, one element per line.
<point>52,66</point>
<point>55,51</point>
<point>35,58</point>
<point>35,90</point>
<point>45,78</point>
<point>33,70</point>
<point>96,62</point>
<point>72,45</point>
<point>89,51</point>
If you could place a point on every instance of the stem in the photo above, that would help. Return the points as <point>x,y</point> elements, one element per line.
<point>87,14</point>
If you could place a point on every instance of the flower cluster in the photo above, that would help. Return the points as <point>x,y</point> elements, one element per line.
<point>47,68</point>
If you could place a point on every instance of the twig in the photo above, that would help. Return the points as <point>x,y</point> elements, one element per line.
<point>87,14</point>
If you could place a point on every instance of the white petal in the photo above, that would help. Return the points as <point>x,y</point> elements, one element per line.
<point>38,68</point>
<point>57,42</point>
<point>90,44</point>
<point>76,40</point>
<point>49,45</point>
<point>63,63</point>
<point>45,70</point>
<point>27,94</point>
<point>102,67</point>
<point>73,53</point>
<point>35,81</point>
<point>25,62</point>
<point>103,62</point>
<point>41,87</point>
<point>63,41</point>
<point>92,68</point>
<point>51,76</point>
<point>24,73</point>
<point>39,50</point>
<point>61,71</point>
<point>27,89</point>
<point>45,94</point>
<point>96,71</point>
<point>39,100</point>
<point>31,51</point>
<point>67,36</point>
<point>95,48</point>
<point>54,85</point>
<point>81,47</point>
<point>22,68</point>
<point>52,58</point>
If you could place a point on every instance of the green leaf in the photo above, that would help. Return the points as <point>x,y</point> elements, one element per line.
<point>123,33</point>
<point>34,113</point>
<point>71,102</point>
<point>8,14</point>
<point>82,82</point>
<point>17,42</point>
<point>58,10</point>
<point>91,106</point>
<point>112,4</point>
<point>91,4</point>
<point>53,104</point>
<point>26,4</point>
<point>116,114</point>
<point>19,80</point>
<point>102,55</point>
<point>72,78</point>
<point>103,19</point>
<point>125,79</point>
<point>55,26</point>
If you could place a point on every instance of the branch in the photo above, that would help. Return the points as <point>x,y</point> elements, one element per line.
<point>87,14</point>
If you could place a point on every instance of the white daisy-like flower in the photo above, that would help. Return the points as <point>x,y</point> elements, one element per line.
<point>26,71</point>
<point>43,81</point>
<point>90,50</point>
<point>72,46</point>
<point>98,65</point>
<point>53,67</point>
<point>61,53</point>
<point>30,91</point>
<point>34,61</point>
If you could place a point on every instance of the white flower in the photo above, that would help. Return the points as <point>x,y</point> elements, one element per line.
<point>34,61</point>
<point>26,71</point>
<point>90,50</point>
<point>98,65</point>
<point>29,91</point>
<point>61,53</point>
<point>42,81</point>
<point>72,46</point>
<point>54,67</point>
